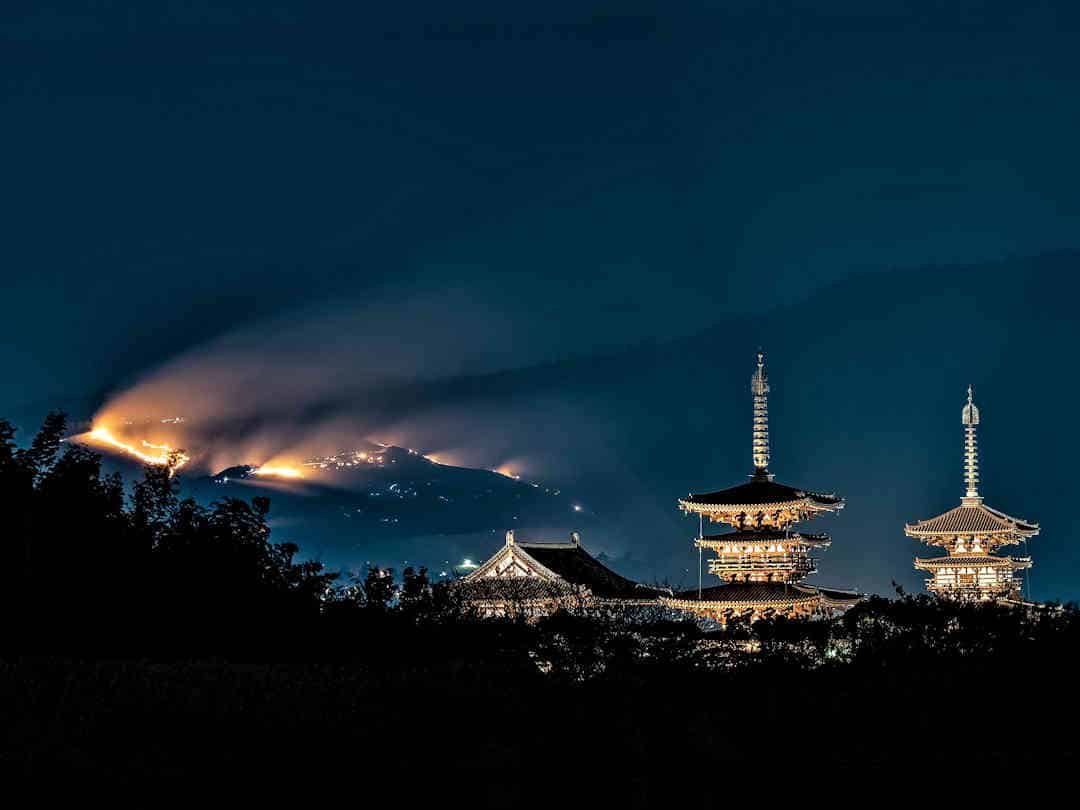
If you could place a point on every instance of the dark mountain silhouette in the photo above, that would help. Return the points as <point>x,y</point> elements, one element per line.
<point>376,512</point>
<point>405,508</point>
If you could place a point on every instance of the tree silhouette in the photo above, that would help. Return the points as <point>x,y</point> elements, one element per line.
<point>416,594</point>
<point>46,444</point>
<point>379,589</point>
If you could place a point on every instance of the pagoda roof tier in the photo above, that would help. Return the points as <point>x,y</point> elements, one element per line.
<point>973,561</point>
<point>745,596</point>
<point>837,596</point>
<point>760,494</point>
<point>764,535</point>
<point>972,517</point>
<point>759,600</point>
<point>770,593</point>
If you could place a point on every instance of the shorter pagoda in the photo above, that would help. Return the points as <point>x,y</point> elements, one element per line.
<point>763,561</point>
<point>971,534</point>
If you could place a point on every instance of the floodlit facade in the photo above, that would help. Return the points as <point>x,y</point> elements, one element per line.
<point>763,560</point>
<point>972,533</point>
<point>536,579</point>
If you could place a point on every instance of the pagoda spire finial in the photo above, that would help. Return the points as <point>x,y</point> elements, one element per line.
<point>759,386</point>
<point>970,419</point>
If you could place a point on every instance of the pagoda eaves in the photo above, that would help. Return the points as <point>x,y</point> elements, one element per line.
<point>972,517</point>
<point>973,561</point>
<point>762,600</point>
<point>760,503</point>
<point>751,537</point>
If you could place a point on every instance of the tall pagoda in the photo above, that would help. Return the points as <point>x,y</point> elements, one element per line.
<point>763,560</point>
<point>971,534</point>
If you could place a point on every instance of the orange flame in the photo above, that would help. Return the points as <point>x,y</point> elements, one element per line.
<point>161,456</point>
<point>279,470</point>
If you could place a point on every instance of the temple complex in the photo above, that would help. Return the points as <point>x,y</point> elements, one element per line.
<point>763,560</point>
<point>538,578</point>
<point>971,534</point>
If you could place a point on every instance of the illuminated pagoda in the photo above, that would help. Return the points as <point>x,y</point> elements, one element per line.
<point>971,534</point>
<point>763,560</point>
<point>539,578</point>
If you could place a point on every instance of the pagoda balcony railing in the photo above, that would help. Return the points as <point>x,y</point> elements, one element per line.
<point>750,563</point>
<point>989,548</point>
<point>947,562</point>
<point>1001,587</point>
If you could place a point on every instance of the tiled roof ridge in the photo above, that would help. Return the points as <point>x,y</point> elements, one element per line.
<point>971,518</point>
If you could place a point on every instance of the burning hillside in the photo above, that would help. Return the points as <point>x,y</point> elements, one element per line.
<point>145,451</point>
<point>160,452</point>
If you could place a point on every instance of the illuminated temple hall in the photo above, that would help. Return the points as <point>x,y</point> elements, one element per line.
<point>539,578</point>
<point>971,534</point>
<point>763,560</point>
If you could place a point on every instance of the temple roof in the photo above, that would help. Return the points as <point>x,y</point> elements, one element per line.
<point>973,561</point>
<point>972,517</point>
<point>764,594</point>
<point>575,565</point>
<point>767,535</point>
<point>549,569</point>
<point>758,493</point>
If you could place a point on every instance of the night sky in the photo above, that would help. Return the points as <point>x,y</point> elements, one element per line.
<point>559,236</point>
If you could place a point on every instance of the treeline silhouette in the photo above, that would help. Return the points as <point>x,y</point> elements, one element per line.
<point>148,637</point>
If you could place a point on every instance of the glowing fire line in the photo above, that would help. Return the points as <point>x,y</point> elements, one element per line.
<point>161,457</point>
<point>161,453</point>
<point>278,470</point>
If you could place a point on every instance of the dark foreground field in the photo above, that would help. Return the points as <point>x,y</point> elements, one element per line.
<point>636,733</point>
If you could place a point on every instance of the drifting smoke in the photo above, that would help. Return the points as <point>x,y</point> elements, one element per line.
<point>397,371</point>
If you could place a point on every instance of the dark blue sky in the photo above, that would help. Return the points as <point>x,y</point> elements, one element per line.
<point>474,187</point>
<point>173,169</point>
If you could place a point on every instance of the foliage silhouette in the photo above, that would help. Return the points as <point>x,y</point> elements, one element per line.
<point>149,636</point>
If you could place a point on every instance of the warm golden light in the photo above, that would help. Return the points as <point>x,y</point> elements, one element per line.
<point>153,454</point>
<point>278,470</point>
